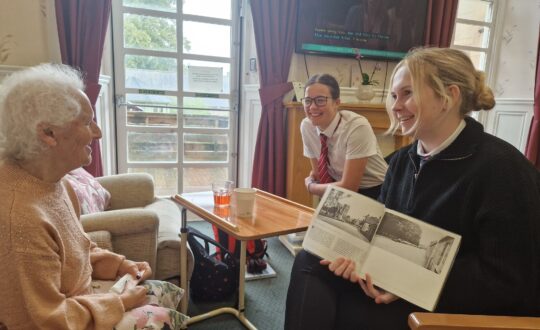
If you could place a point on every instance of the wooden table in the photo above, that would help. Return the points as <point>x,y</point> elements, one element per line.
<point>272,216</point>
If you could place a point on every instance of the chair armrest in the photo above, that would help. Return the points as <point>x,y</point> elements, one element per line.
<point>129,190</point>
<point>134,232</point>
<point>436,321</point>
<point>102,238</point>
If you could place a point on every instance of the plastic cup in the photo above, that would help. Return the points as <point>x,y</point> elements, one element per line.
<point>222,193</point>
<point>245,201</point>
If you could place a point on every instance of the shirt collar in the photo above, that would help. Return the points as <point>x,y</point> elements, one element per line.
<point>331,129</point>
<point>420,150</point>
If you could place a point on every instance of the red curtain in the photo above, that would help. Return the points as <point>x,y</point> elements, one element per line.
<point>441,16</point>
<point>274,23</point>
<point>532,151</point>
<point>82,25</point>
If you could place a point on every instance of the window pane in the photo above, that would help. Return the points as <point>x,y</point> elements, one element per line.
<point>165,179</point>
<point>148,32</point>
<point>206,102</point>
<point>200,179</point>
<point>478,59</point>
<point>138,114</point>
<point>207,39</point>
<point>206,119</point>
<point>477,10</point>
<point>209,8</point>
<point>149,99</point>
<point>151,72</point>
<point>151,116</point>
<point>206,77</point>
<point>162,5</point>
<point>206,147</point>
<point>471,35</point>
<point>152,147</point>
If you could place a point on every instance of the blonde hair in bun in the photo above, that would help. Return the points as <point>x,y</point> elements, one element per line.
<point>438,68</point>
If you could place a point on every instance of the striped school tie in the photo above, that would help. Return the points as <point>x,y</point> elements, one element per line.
<point>324,176</point>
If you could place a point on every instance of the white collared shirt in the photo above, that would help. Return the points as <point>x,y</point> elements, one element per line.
<point>420,149</point>
<point>353,138</point>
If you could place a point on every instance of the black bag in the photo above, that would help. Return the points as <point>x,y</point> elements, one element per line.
<point>215,276</point>
<point>255,250</point>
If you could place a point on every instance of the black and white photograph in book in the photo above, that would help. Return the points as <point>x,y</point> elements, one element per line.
<point>336,211</point>
<point>411,241</point>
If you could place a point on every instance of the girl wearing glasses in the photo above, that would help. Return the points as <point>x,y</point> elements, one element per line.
<point>340,145</point>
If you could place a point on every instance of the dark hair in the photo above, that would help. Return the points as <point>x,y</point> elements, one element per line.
<point>327,80</point>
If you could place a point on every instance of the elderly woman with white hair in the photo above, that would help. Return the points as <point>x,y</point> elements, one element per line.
<point>48,262</point>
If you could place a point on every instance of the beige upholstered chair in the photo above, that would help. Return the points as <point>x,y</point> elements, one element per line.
<point>436,321</point>
<point>139,225</point>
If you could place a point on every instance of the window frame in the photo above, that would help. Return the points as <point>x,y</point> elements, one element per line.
<point>491,51</point>
<point>233,60</point>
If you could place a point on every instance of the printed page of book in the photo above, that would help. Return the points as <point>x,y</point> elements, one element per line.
<point>343,225</point>
<point>411,258</point>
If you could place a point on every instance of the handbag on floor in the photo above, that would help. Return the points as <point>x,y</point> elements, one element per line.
<point>255,250</point>
<point>215,276</point>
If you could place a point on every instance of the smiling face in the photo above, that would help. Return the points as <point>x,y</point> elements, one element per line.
<point>421,121</point>
<point>73,140</point>
<point>320,116</point>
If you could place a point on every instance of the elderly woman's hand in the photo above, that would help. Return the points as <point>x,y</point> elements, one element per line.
<point>139,270</point>
<point>134,297</point>
<point>344,268</point>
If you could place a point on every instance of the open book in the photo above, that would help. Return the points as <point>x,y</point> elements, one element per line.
<point>403,255</point>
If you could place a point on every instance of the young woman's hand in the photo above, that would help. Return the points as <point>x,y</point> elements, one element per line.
<point>380,296</point>
<point>133,297</point>
<point>140,270</point>
<point>344,268</point>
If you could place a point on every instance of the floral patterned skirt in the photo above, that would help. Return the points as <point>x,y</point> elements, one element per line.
<point>159,312</point>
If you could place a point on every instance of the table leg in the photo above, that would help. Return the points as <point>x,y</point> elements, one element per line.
<point>242,279</point>
<point>241,288</point>
<point>239,312</point>
<point>183,263</point>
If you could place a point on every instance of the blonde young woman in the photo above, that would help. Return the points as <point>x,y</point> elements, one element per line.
<point>454,176</point>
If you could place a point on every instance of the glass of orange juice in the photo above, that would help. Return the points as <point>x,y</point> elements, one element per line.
<point>222,193</point>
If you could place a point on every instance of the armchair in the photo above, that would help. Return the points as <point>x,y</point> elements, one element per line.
<point>140,225</point>
<point>436,321</point>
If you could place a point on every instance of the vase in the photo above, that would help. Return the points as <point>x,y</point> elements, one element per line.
<point>365,93</point>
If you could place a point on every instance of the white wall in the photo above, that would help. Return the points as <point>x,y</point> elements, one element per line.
<point>28,34</point>
<point>514,72</point>
<point>517,52</point>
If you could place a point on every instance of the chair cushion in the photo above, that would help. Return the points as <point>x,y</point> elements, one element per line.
<point>92,196</point>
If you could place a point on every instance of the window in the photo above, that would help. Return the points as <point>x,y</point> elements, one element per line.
<point>475,29</point>
<point>175,67</point>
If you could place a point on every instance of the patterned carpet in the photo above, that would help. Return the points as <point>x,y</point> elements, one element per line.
<point>265,298</point>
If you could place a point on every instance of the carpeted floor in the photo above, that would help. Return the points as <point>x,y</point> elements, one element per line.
<point>265,298</point>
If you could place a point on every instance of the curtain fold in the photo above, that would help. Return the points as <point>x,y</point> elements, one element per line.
<point>82,25</point>
<point>532,150</point>
<point>441,16</point>
<point>274,26</point>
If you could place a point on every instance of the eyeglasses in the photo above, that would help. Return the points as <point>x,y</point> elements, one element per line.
<point>319,101</point>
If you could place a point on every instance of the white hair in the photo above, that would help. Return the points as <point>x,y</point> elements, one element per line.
<point>46,93</point>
